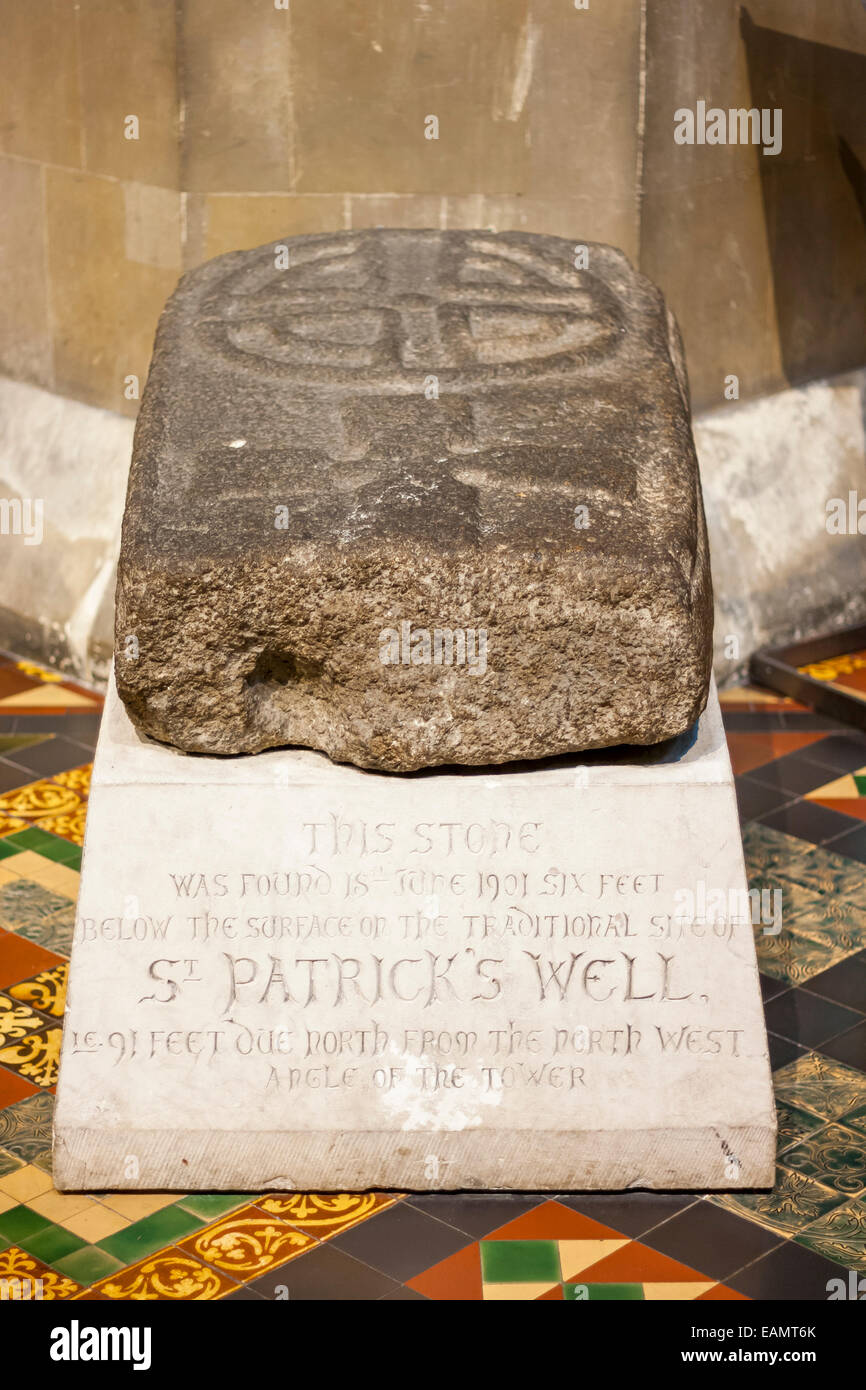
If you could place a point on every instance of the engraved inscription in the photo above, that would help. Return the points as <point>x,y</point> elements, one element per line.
<point>412,958</point>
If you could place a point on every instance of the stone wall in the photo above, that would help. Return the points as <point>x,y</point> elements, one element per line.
<point>268,118</point>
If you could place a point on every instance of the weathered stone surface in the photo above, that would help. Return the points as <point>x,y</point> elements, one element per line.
<point>400,432</point>
<point>291,974</point>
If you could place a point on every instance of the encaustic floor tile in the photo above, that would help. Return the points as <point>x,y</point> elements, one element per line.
<point>25,1126</point>
<point>36,1058</point>
<point>821,1086</point>
<point>325,1214</point>
<point>38,914</point>
<point>248,1243</point>
<point>45,991</point>
<point>28,1278</point>
<point>839,1235</point>
<point>170,1274</point>
<point>794,1203</point>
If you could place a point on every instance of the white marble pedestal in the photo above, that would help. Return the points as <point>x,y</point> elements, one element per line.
<point>290,974</point>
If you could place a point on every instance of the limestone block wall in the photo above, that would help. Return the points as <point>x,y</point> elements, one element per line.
<point>139,137</point>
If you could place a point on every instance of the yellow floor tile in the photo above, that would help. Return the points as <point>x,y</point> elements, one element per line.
<point>95,1223</point>
<point>57,878</point>
<point>499,1292</point>
<point>6,1203</point>
<point>59,1206</point>
<point>8,867</point>
<point>135,1205</point>
<point>44,695</point>
<point>37,672</point>
<point>25,1183</point>
<point>577,1255</point>
<point>657,1292</point>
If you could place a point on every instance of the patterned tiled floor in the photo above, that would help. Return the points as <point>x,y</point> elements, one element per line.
<point>802,793</point>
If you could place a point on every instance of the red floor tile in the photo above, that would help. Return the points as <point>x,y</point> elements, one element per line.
<point>458,1277</point>
<point>553,1221</point>
<point>13,1087</point>
<point>847,805</point>
<point>749,751</point>
<point>636,1264</point>
<point>20,958</point>
<point>12,682</point>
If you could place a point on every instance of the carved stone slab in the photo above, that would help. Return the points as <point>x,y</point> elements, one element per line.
<point>413,498</point>
<point>292,974</point>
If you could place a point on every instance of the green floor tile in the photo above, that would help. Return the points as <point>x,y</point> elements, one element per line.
<point>88,1264</point>
<point>10,743</point>
<point>34,838</point>
<point>61,851</point>
<point>20,1223</point>
<point>70,857</point>
<point>519,1261</point>
<point>52,1245</point>
<point>6,849</point>
<point>152,1233</point>
<point>210,1205</point>
<point>601,1293</point>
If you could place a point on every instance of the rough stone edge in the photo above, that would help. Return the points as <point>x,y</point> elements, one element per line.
<point>568,1160</point>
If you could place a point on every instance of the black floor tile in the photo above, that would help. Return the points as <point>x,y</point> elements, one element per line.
<point>810,721</point>
<point>770,987</point>
<point>39,723</point>
<point>755,799</point>
<point>45,759</point>
<point>243,1295</point>
<point>807,1018</point>
<point>324,1274</point>
<point>809,821</point>
<point>788,1273</point>
<point>844,752</point>
<point>12,776</point>
<point>403,1295</point>
<point>744,721</point>
<point>849,1047</point>
<point>633,1213</point>
<point>401,1241</point>
<point>78,728</point>
<point>711,1240</point>
<point>794,773</point>
<point>782,1051</point>
<point>852,844</point>
<point>477,1214</point>
<point>845,983</point>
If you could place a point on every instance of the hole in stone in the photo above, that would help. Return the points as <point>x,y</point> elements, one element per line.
<point>283,668</point>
